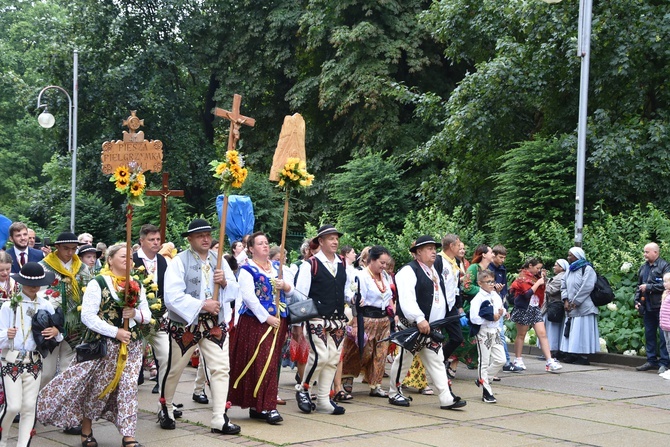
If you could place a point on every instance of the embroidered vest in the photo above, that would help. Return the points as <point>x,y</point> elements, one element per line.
<point>264,292</point>
<point>193,279</point>
<point>110,311</point>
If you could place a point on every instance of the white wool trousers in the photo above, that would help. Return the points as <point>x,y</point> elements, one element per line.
<point>434,364</point>
<point>20,397</point>
<point>218,365</point>
<point>324,355</point>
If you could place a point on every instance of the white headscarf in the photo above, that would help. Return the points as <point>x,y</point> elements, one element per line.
<point>578,253</point>
<point>565,265</point>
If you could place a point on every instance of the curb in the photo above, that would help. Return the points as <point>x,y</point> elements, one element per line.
<point>600,357</point>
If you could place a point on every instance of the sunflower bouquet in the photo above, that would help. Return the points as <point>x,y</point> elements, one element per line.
<point>231,172</point>
<point>294,175</point>
<point>129,180</point>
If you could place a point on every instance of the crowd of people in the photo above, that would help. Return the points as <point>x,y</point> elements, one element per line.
<point>74,328</point>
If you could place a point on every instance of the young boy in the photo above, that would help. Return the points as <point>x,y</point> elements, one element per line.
<point>486,309</point>
<point>21,362</point>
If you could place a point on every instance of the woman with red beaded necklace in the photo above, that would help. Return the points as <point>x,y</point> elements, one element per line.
<point>376,294</point>
<point>260,334</point>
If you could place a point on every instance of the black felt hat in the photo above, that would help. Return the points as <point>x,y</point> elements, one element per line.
<point>33,274</point>
<point>67,238</point>
<point>424,240</point>
<point>324,230</point>
<point>89,249</point>
<point>197,226</point>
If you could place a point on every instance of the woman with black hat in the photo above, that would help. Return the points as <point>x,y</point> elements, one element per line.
<point>21,361</point>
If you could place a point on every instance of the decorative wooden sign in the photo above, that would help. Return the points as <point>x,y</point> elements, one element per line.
<point>148,154</point>
<point>291,144</point>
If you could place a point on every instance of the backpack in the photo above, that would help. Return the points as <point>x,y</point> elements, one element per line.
<point>602,293</point>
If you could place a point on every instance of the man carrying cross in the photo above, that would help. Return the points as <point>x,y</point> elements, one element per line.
<point>199,319</point>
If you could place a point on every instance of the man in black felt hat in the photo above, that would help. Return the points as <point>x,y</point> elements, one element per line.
<point>323,279</point>
<point>422,300</point>
<point>65,292</point>
<point>21,360</point>
<point>199,319</point>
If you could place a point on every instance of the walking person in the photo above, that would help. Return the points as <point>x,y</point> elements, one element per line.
<point>260,334</point>
<point>104,387</point>
<point>198,319</point>
<point>421,300</point>
<point>21,359</point>
<point>528,292</point>
<point>323,279</point>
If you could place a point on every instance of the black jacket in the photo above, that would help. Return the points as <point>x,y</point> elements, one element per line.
<point>654,282</point>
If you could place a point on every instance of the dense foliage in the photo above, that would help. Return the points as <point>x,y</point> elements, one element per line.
<point>469,105</point>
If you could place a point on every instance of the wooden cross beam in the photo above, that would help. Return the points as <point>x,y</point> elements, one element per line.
<point>236,120</point>
<point>165,192</point>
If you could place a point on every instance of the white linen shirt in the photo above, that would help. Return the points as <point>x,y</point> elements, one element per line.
<point>476,304</point>
<point>248,290</point>
<point>189,307</point>
<point>23,323</point>
<point>405,281</point>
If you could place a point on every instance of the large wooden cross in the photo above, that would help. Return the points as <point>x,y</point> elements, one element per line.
<point>165,192</point>
<point>236,120</point>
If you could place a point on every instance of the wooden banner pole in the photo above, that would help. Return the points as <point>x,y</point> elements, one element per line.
<point>222,237</point>
<point>129,255</point>
<point>282,253</point>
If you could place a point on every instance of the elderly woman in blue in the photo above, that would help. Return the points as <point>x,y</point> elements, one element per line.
<point>260,334</point>
<point>21,360</point>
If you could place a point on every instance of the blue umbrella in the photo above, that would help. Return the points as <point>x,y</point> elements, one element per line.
<point>4,230</point>
<point>240,220</point>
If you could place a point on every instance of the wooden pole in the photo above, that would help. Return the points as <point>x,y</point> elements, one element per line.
<point>222,237</point>
<point>129,255</point>
<point>282,253</point>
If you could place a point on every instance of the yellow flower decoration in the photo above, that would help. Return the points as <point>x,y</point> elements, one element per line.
<point>122,172</point>
<point>231,172</point>
<point>294,175</point>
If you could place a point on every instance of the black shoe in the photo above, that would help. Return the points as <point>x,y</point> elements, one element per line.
<point>253,414</point>
<point>337,410</point>
<point>571,358</point>
<point>488,398</point>
<point>582,360</point>
<point>140,378</point>
<point>155,389</point>
<point>177,413</point>
<point>399,400</point>
<point>165,421</point>
<point>228,427</point>
<point>304,402</point>
<point>455,405</point>
<point>273,417</point>
<point>73,430</point>
<point>646,366</point>
<point>200,398</point>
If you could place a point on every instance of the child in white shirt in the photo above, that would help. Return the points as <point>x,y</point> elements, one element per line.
<point>486,309</point>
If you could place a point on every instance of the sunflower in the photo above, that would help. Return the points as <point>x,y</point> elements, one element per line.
<point>122,172</point>
<point>122,183</point>
<point>136,189</point>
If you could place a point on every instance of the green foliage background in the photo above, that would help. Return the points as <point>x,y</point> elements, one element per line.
<point>422,116</point>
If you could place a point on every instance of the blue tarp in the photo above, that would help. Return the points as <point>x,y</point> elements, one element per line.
<point>4,230</point>
<point>240,220</point>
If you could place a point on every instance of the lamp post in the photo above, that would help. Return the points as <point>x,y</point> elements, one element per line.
<point>47,120</point>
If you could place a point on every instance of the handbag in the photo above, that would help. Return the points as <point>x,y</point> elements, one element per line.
<point>92,350</point>
<point>302,311</point>
<point>555,311</point>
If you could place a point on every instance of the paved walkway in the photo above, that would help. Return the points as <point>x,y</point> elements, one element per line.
<point>601,405</point>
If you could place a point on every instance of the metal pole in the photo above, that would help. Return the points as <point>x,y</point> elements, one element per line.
<point>73,124</point>
<point>583,51</point>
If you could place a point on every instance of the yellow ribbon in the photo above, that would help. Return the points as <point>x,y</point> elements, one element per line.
<point>253,358</point>
<point>54,262</point>
<point>120,365</point>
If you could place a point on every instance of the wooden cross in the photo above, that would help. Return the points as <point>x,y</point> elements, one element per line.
<point>236,120</point>
<point>165,192</point>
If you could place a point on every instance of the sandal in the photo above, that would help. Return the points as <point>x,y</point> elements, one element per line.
<point>342,396</point>
<point>348,384</point>
<point>427,391</point>
<point>132,443</point>
<point>89,440</point>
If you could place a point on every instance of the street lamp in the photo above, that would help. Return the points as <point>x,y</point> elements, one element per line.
<point>47,120</point>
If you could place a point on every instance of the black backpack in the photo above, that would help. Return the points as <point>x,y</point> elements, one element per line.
<point>602,293</point>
